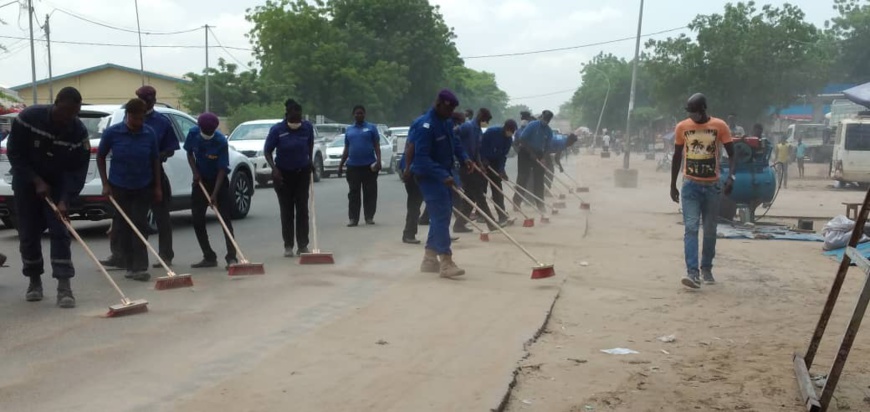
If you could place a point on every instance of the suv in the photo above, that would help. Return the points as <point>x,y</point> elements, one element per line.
<point>249,138</point>
<point>92,205</point>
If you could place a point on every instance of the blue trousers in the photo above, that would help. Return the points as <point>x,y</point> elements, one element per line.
<point>439,203</point>
<point>34,217</point>
<point>700,206</point>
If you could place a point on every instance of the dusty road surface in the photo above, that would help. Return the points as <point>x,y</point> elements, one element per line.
<point>734,340</point>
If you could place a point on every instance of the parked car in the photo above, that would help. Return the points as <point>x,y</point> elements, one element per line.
<point>336,148</point>
<point>329,131</point>
<point>400,135</point>
<point>250,137</point>
<point>93,206</point>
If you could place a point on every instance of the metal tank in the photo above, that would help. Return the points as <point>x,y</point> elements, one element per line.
<point>755,181</point>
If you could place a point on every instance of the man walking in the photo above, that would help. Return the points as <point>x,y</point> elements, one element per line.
<point>415,196</point>
<point>362,154</point>
<point>49,153</point>
<point>494,148</point>
<point>783,155</point>
<point>533,144</point>
<point>435,148</point>
<point>800,154</point>
<point>697,145</point>
<point>473,183</point>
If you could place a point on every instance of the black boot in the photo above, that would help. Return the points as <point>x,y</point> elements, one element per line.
<point>65,298</point>
<point>34,291</point>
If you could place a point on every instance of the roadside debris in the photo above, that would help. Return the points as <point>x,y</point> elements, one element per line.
<point>619,351</point>
<point>668,339</point>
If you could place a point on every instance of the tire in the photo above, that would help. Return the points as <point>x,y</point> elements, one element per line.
<point>242,189</point>
<point>318,167</point>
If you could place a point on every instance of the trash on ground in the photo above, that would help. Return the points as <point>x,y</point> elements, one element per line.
<point>668,339</point>
<point>382,342</point>
<point>665,352</point>
<point>578,361</point>
<point>527,402</point>
<point>584,264</point>
<point>619,351</point>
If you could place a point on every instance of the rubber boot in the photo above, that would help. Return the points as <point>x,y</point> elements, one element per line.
<point>449,268</point>
<point>65,298</point>
<point>34,291</point>
<point>430,262</point>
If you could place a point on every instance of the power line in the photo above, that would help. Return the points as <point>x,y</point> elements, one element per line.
<point>113,27</point>
<point>487,56</point>
<point>155,46</point>
<point>214,36</point>
<point>544,95</point>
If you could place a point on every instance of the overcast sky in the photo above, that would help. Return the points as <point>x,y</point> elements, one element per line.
<point>482,27</point>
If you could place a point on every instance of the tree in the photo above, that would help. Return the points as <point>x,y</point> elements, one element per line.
<point>228,88</point>
<point>745,60</point>
<point>850,33</point>
<point>476,89</point>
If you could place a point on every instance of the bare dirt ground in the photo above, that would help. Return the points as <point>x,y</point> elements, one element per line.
<point>734,340</point>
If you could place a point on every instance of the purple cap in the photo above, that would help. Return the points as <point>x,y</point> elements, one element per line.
<point>208,122</point>
<point>146,92</point>
<point>448,97</point>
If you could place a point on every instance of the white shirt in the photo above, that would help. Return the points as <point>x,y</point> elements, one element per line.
<point>606,140</point>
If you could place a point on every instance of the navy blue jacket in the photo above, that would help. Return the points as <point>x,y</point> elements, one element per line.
<point>167,140</point>
<point>494,147</point>
<point>536,137</point>
<point>435,147</point>
<point>133,155</point>
<point>58,155</point>
<point>210,155</point>
<point>470,135</point>
<point>292,147</point>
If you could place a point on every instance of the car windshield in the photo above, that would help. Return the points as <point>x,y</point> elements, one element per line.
<point>250,132</point>
<point>95,123</point>
<point>338,142</point>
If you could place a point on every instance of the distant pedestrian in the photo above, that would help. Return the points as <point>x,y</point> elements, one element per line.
<point>133,181</point>
<point>362,154</point>
<point>49,153</point>
<point>698,142</point>
<point>289,149</point>
<point>606,142</point>
<point>783,155</point>
<point>209,159</point>
<point>800,154</point>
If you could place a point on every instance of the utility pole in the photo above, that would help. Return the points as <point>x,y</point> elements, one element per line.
<point>48,42</point>
<point>139,31</point>
<point>32,50</point>
<point>206,68</point>
<point>625,161</point>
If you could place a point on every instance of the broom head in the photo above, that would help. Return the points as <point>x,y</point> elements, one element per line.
<point>585,206</point>
<point>316,257</point>
<point>132,308</point>
<point>581,189</point>
<point>246,269</point>
<point>484,236</point>
<point>530,222</point>
<point>559,205</point>
<point>543,272</point>
<point>173,281</point>
<point>545,219</point>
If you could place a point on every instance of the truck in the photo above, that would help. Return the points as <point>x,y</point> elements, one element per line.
<point>851,157</point>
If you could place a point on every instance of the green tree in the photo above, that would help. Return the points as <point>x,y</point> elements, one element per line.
<point>746,60</point>
<point>228,88</point>
<point>849,36</point>
<point>476,89</point>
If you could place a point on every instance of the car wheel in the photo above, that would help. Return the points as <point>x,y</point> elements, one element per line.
<point>242,188</point>
<point>318,168</point>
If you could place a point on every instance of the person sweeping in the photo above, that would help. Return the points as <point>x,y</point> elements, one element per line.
<point>209,158</point>
<point>494,148</point>
<point>133,181</point>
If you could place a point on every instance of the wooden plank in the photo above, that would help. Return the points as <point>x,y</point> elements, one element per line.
<point>805,384</point>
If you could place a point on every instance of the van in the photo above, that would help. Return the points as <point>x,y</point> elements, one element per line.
<point>851,156</point>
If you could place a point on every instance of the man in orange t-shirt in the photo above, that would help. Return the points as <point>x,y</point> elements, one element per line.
<point>697,145</point>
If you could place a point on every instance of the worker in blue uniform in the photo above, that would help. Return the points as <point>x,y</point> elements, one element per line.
<point>435,149</point>
<point>532,145</point>
<point>133,181</point>
<point>289,150</point>
<point>49,152</point>
<point>494,148</point>
<point>362,154</point>
<point>474,184</point>
<point>558,147</point>
<point>414,196</point>
<point>208,155</point>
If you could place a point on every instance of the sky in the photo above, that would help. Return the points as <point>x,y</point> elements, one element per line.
<point>482,27</point>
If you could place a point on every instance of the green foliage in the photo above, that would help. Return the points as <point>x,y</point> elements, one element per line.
<point>849,36</point>
<point>476,90</point>
<point>228,88</point>
<point>745,60</point>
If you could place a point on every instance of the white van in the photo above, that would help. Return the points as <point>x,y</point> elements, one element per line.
<point>851,157</point>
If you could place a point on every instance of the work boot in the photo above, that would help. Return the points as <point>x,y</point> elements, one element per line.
<point>140,275</point>
<point>430,262</point>
<point>449,268</point>
<point>231,262</point>
<point>65,298</point>
<point>34,291</point>
<point>458,228</point>
<point>205,263</point>
<point>111,261</point>
<point>301,250</point>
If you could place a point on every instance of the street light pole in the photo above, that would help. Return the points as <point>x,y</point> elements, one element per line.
<point>139,32</point>
<point>603,107</point>
<point>631,98</point>
<point>32,50</point>
<point>48,42</point>
<point>206,70</point>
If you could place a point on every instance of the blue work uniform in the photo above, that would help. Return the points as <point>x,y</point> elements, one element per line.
<point>133,155</point>
<point>435,148</point>
<point>494,148</point>
<point>361,141</point>
<point>292,147</point>
<point>536,137</point>
<point>470,136</point>
<point>167,142</point>
<point>60,156</point>
<point>293,159</point>
<point>210,158</point>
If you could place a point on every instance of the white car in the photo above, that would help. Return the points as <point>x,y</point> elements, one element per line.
<point>400,135</point>
<point>335,149</point>
<point>92,205</point>
<point>249,138</point>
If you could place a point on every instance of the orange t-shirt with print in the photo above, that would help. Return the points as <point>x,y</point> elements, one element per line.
<point>702,148</point>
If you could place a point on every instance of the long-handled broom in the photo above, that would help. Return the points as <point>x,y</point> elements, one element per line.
<point>583,204</point>
<point>528,221</point>
<point>316,256</point>
<point>244,267</point>
<point>484,235</point>
<point>519,189</point>
<point>558,204</point>
<point>512,185</point>
<point>580,189</point>
<point>171,280</point>
<point>127,306</point>
<point>540,270</point>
